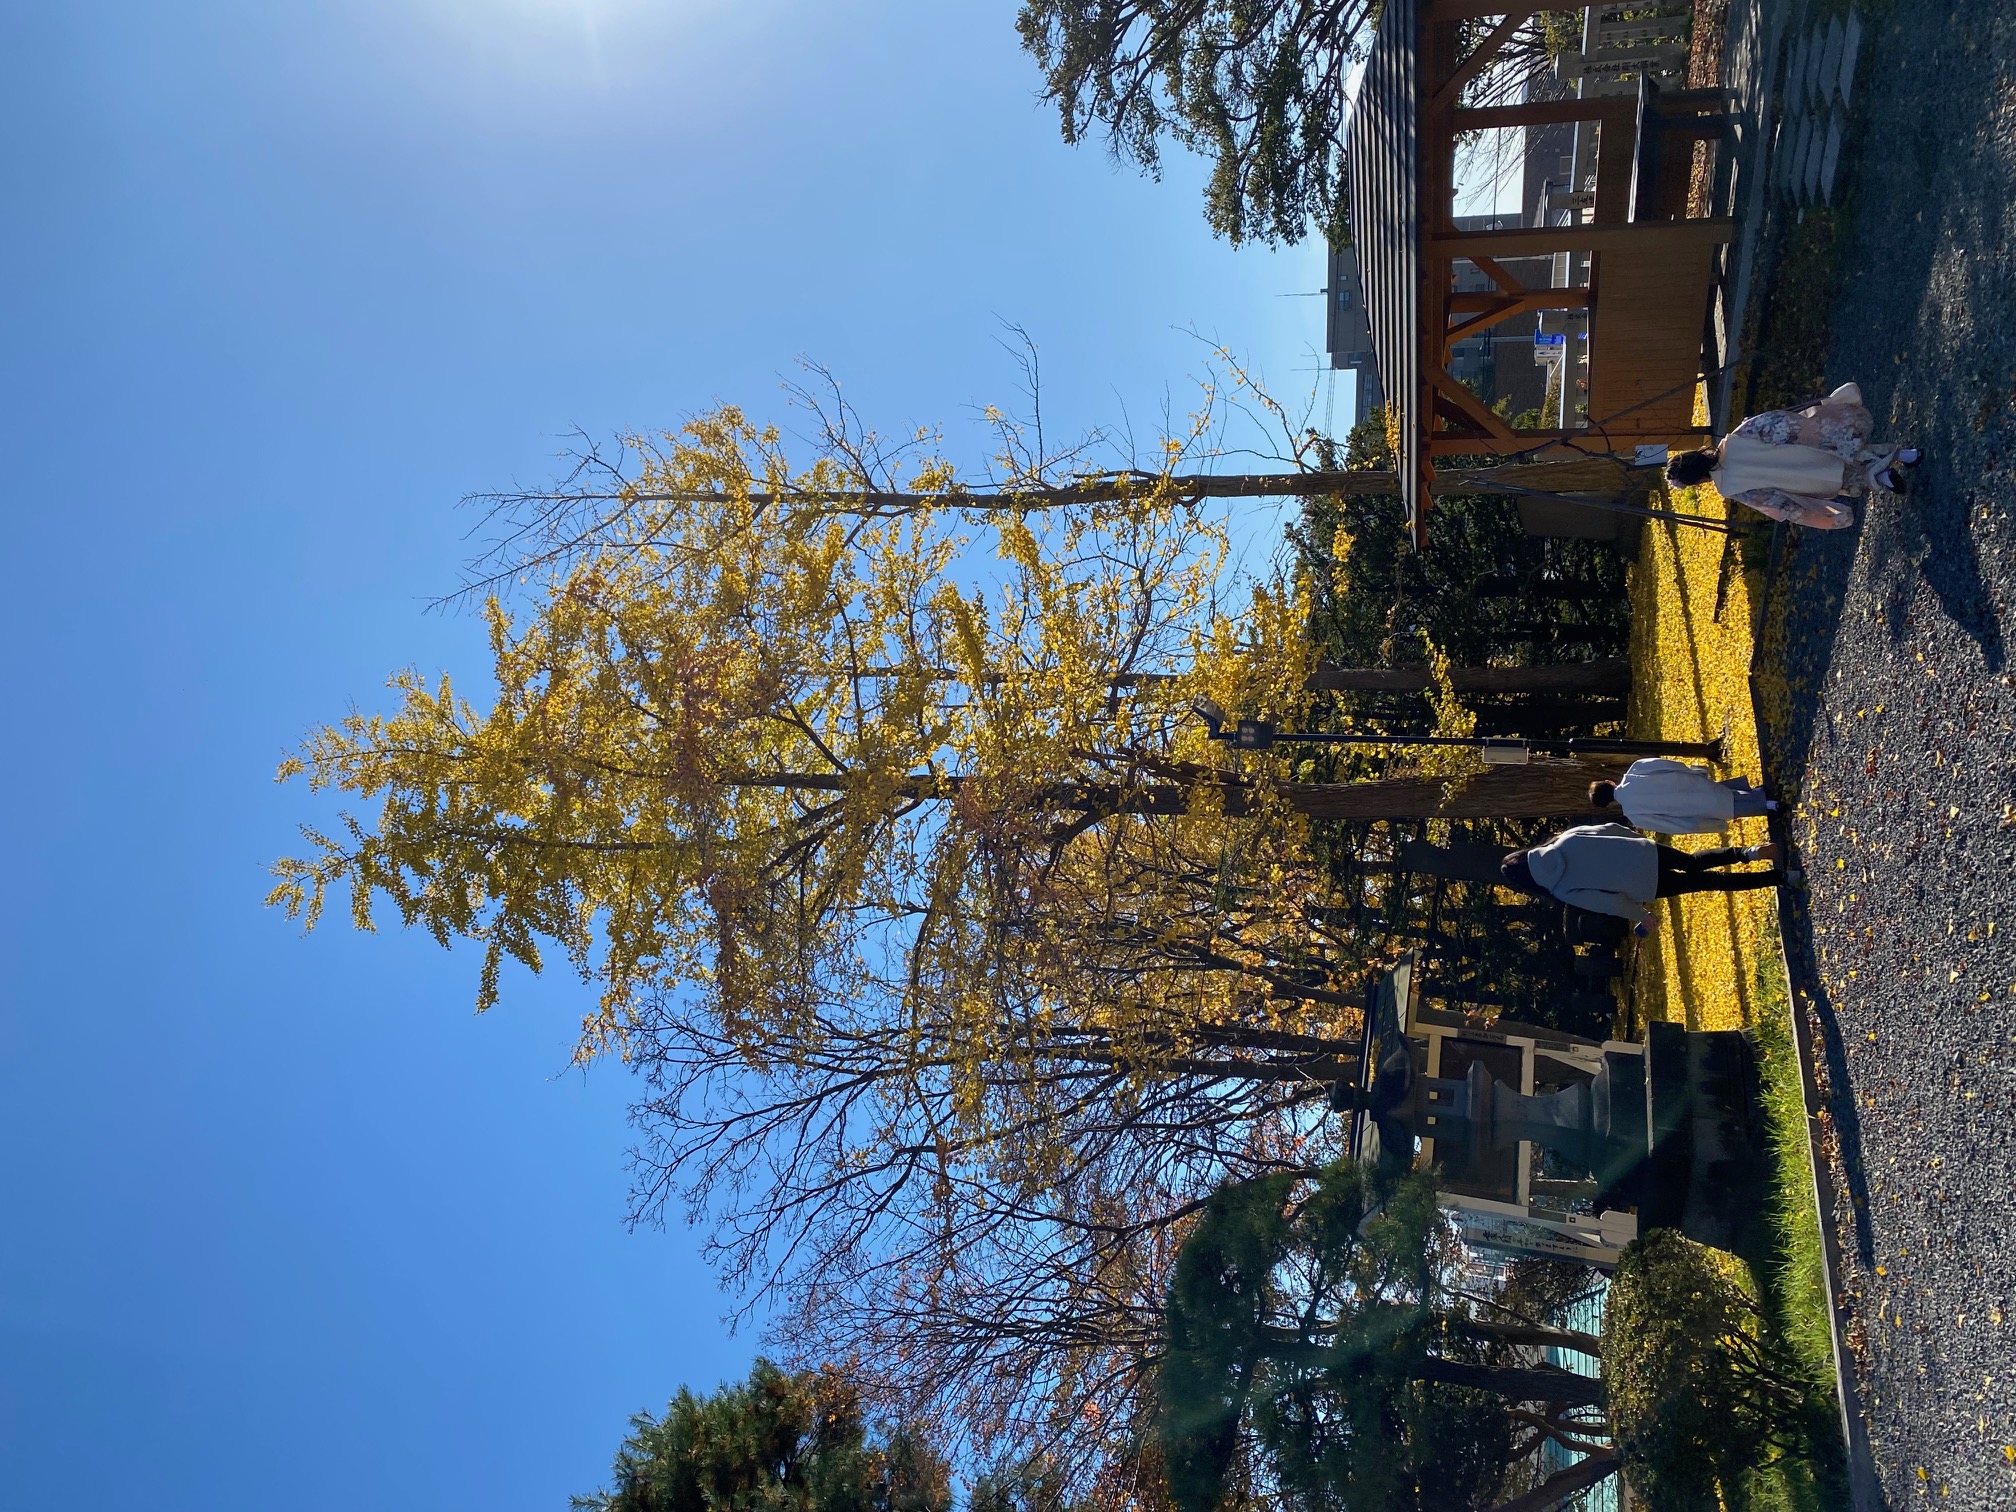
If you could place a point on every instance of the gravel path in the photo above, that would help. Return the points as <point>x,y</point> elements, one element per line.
<point>1902,739</point>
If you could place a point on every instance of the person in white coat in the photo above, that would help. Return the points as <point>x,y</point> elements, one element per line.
<point>1671,797</point>
<point>1799,464</point>
<point>1610,868</point>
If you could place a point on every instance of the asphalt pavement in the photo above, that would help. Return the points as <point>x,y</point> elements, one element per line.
<point>1901,746</point>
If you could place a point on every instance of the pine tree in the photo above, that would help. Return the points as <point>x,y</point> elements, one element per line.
<point>1314,1352</point>
<point>1257,87</point>
<point>776,1443</point>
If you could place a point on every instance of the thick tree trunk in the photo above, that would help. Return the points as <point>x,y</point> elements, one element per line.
<point>1589,476</point>
<point>1517,1383</point>
<point>1538,790</point>
<point>1594,477</point>
<point>1611,676</point>
<point>1462,862</point>
<point>1309,1073</point>
<point>1543,789</point>
<point>1563,1484</point>
<point>1512,1383</point>
<point>1522,1333</point>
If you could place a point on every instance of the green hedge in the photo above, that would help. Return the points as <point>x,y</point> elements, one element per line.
<point>1703,1392</point>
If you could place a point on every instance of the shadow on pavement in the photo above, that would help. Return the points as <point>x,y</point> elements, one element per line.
<point>1802,617</point>
<point>1927,538</point>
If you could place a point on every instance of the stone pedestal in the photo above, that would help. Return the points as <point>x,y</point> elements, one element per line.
<point>1667,1134</point>
<point>1676,1132</point>
<point>1706,1127</point>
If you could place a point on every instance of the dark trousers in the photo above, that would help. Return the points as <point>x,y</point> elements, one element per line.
<point>1694,871</point>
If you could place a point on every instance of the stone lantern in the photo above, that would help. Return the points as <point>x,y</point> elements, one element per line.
<point>1663,1134</point>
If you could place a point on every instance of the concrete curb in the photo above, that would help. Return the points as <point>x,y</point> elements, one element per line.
<point>1865,1488</point>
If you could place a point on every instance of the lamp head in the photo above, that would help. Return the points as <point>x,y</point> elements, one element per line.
<point>1214,717</point>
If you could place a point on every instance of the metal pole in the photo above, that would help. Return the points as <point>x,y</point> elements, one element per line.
<point>1707,750</point>
<point>1673,516</point>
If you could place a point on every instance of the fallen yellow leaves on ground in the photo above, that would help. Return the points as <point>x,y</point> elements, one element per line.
<point>1690,681</point>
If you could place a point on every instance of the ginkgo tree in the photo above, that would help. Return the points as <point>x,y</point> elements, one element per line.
<point>764,750</point>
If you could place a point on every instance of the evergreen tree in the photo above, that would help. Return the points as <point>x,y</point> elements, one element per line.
<point>1313,1350</point>
<point>776,1443</point>
<point>1707,1390</point>
<point>1255,86</point>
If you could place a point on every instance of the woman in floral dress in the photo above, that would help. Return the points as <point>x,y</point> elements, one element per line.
<point>1799,464</point>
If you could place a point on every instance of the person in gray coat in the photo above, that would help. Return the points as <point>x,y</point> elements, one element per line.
<point>1672,797</point>
<point>1611,868</point>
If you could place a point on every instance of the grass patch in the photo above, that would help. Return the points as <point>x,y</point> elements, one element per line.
<point>1793,1281</point>
<point>1785,1266</point>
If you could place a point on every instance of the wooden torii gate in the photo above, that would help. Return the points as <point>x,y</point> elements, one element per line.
<point>1650,274</point>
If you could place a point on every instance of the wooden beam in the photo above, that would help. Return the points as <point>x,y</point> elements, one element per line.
<point>1469,405</point>
<point>1498,275</point>
<point>1616,146</point>
<point>1631,428</point>
<point>1470,303</point>
<point>1533,241</point>
<point>1465,10</point>
<point>1424,467</point>
<point>1546,113</point>
<point>1570,298</point>
<point>1505,309</point>
<point>1482,321</point>
<point>1478,61</point>
<point>1444,410</point>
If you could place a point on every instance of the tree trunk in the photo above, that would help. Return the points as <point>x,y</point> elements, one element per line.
<point>1537,790</point>
<point>1543,789</point>
<point>1517,1383</point>
<point>1611,676</point>
<point>1563,1484</point>
<point>1465,861</point>
<point>1511,1383</point>
<point>1530,1333</point>
<point>1594,477</point>
<point>1589,477</point>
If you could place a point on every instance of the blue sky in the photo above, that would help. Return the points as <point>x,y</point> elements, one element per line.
<point>282,1217</point>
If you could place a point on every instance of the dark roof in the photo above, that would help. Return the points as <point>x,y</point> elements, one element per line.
<point>1382,153</point>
